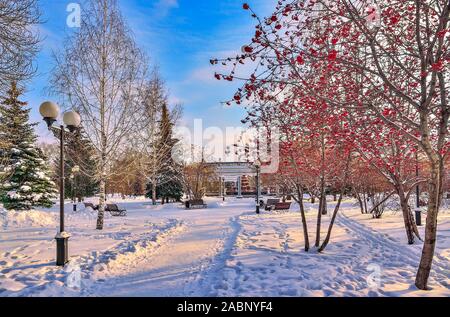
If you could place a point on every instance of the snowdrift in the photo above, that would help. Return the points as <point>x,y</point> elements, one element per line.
<point>24,219</point>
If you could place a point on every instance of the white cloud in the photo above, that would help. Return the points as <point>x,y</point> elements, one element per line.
<point>163,7</point>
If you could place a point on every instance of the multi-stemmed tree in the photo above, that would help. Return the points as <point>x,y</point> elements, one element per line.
<point>384,59</point>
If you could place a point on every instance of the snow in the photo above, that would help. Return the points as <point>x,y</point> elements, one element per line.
<point>224,250</point>
<point>25,188</point>
<point>25,219</point>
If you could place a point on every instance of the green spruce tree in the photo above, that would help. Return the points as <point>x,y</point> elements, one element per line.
<point>79,153</point>
<point>27,183</point>
<point>168,181</point>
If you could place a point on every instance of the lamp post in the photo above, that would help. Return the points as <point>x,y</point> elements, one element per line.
<point>50,112</point>
<point>73,176</point>
<point>418,211</point>
<point>258,169</point>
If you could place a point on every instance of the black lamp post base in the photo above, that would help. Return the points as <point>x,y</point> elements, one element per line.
<point>418,217</point>
<point>62,249</point>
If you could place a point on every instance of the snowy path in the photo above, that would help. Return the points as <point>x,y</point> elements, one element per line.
<point>268,260</point>
<point>390,255</point>
<point>179,267</point>
<point>224,250</point>
<point>28,271</point>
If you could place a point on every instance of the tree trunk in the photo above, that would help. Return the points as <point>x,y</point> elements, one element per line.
<point>324,206</point>
<point>408,218</point>
<point>365,203</point>
<point>103,137</point>
<point>303,214</point>
<point>322,191</point>
<point>101,205</point>
<point>154,191</point>
<point>319,221</point>
<point>361,206</point>
<point>330,228</point>
<point>435,194</point>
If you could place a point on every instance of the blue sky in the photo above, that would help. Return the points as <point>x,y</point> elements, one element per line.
<point>180,36</point>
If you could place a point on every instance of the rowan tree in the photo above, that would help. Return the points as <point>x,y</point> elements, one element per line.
<point>385,59</point>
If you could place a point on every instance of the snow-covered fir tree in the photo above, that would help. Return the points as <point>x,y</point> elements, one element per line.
<point>26,182</point>
<point>166,182</point>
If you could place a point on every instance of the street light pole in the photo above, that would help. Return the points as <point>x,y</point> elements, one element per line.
<point>417,187</point>
<point>73,178</point>
<point>258,167</point>
<point>50,113</point>
<point>62,181</point>
<point>418,211</point>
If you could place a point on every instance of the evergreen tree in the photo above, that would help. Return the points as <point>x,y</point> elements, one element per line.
<point>168,181</point>
<point>168,187</point>
<point>79,152</point>
<point>27,184</point>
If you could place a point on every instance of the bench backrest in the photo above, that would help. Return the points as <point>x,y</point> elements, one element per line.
<point>196,202</point>
<point>86,205</point>
<point>112,207</point>
<point>272,202</point>
<point>282,206</point>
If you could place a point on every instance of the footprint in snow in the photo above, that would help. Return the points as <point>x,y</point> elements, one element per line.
<point>373,294</point>
<point>404,273</point>
<point>328,293</point>
<point>288,292</point>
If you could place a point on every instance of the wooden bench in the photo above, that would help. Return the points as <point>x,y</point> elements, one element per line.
<point>271,203</point>
<point>90,205</point>
<point>115,211</point>
<point>282,207</point>
<point>195,204</point>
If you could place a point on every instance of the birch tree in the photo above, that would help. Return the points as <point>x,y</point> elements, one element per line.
<point>18,40</point>
<point>100,74</point>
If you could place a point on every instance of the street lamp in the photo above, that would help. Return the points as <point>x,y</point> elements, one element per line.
<point>50,112</point>
<point>258,169</point>
<point>418,211</point>
<point>73,177</point>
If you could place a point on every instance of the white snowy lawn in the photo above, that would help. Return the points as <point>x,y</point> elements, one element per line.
<point>224,250</point>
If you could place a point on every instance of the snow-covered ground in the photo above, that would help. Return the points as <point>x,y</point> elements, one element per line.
<point>224,250</point>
